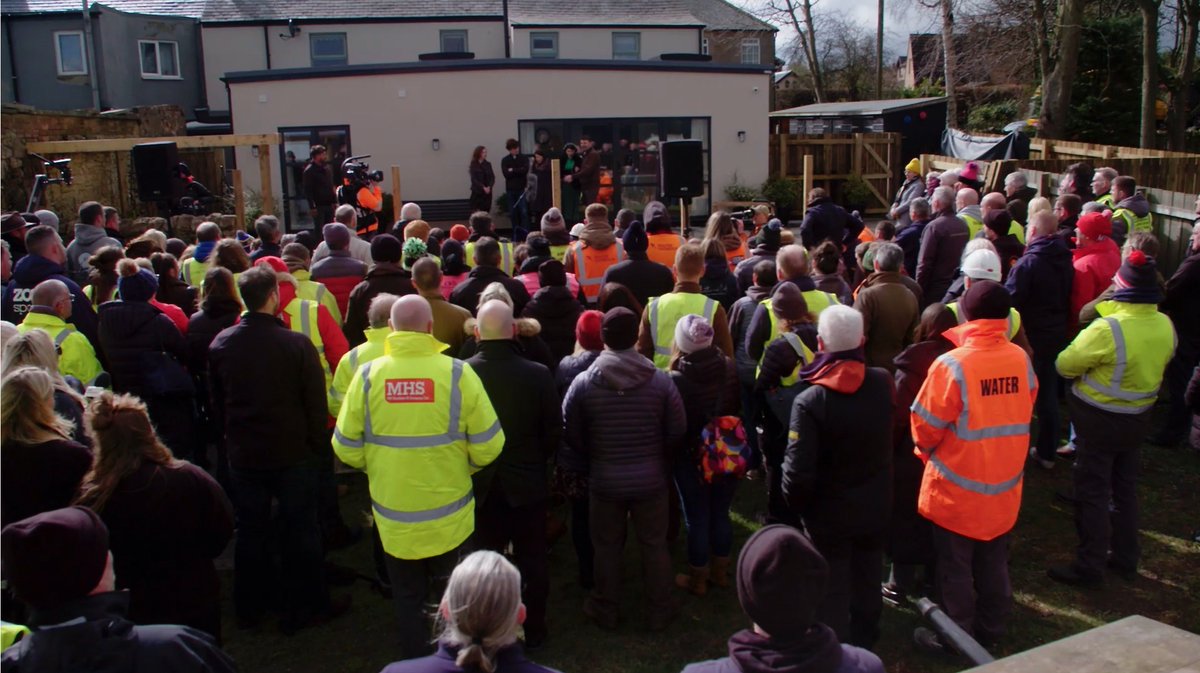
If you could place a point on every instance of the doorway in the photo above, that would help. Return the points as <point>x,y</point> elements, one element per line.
<point>293,159</point>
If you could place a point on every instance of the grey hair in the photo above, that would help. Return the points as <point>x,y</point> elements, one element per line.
<point>920,206</point>
<point>945,196</point>
<point>410,211</point>
<point>1093,207</point>
<point>792,261</point>
<point>480,608</point>
<point>1109,174</point>
<point>1016,178</point>
<point>380,310</point>
<point>840,328</point>
<point>889,256</point>
<point>949,178</point>
<point>977,244</point>
<point>495,291</point>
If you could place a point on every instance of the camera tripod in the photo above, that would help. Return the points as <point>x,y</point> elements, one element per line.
<point>42,179</point>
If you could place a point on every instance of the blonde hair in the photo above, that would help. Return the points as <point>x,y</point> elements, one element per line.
<point>1036,205</point>
<point>35,349</point>
<point>689,261</point>
<point>27,408</point>
<point>480,609</point>
<point>495,291</point>
<point>596,211</point>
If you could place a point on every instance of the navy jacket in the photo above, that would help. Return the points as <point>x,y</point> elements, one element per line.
<point>644,278</point>
<point>624,422</point>
<point>508,660</point>
<point>827,221</point>
<point>745,268</point>
<point>817,652</point>
<point>33,269</point>
<point>105,641</point>
<point>719,283</point>
<point>909,240</point>
<point>1040,284</point>
<point>129,330</point>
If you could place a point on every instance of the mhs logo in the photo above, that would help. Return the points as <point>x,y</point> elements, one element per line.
<point>401,391</point>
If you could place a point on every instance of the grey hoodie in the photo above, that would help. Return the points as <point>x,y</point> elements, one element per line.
<point>88,239</point>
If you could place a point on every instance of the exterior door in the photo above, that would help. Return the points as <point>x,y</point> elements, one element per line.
<point>294,157</point>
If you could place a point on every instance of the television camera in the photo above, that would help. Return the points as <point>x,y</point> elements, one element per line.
<point>63,166</point>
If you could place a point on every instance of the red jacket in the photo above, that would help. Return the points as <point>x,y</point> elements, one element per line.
<point>173,312</point>
<point>1095,267</point>
<point>340,273</point>
<point>331,335</point>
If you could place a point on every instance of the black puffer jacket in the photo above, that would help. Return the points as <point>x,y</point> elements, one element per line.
<point>624,419</point>
<point>557,311</point>
<point>719,283</point>
<point>739,325</point>
<point>203,327</point>
<point>707,384</point>
<point>644,278</point>
<point>383,277</point>
<point>177,292</point>
<point>837,472</point>
<point>570,367</point>
<point>467,293</point>
<point>745,268</point>
<point>128,331</point>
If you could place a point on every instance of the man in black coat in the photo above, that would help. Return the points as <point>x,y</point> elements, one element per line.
<point>512,492</point>
<point>644,278</point>
<point>317,184</point>
<point>1182,305</point>
<point>77,615</point>
<point>487,271</point>
<point>268,391</point>
<point>837,472</point>
<point>827,221</point>
<point>515,167</point>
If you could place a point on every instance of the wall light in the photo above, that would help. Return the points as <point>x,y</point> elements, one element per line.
<point>254,151</point>
<point>741,136</point>
<point>437,144</point>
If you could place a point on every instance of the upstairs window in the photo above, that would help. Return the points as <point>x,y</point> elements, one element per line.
<point>627,46</point>
<point>751,50</point>
<point>454,40</point>
<point>543,45</point>
<point>68,53</point>
<point>160,60</point>
<point>328,49</point>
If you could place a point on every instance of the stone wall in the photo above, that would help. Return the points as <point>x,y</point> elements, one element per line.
<point>96,174</point>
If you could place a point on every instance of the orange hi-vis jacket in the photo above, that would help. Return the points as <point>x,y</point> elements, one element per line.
<point>662,247</point>
<point>589,264</point>
<point>970,424</point>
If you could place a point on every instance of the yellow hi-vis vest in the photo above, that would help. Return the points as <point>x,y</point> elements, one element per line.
<point>420,424</point>
<point>76,356</point>
<point>1118,360</point>
<point>817,302</point>
<point>302,317</point>
<point>11,634</point>
<point>1014,319</point>
<point>669,309</point>
<point>559,252</point>
<point>1017,230</point>
<point>1133,222</point>
<point>974,224</point>
<point>350,362</point>
<point>803,351</point>
<point>1107,200</point>
<point>192,272</point>
<point>506,256</point>
<point>307,288</point>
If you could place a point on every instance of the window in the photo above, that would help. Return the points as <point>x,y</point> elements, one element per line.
<point>627,46</point>
<point>543,45</point>
<point>751,51</point>
<point>704,46</point>
<point>454,40</point>
<point>160,60</point>
<point>328,49</point>
<point>68,51</point>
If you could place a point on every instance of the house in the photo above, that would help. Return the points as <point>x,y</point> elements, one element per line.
<point>143,52</point>
<point>733,35</point>
<point>787,80</point>
<point>925,60</point>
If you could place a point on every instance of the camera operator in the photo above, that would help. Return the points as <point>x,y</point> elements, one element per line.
<point>318,187</point>
<point>361,189</point>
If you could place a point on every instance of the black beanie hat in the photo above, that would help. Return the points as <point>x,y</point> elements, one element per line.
<point>552,273</point>
<point>620,329</point>
<point>998,221</point>
<point>386,248</point>
<point>772,234</point>
<point>986,300</point>
<point>55,557</point>
<point>634,239</point>
<point>539,246</point>
<point>781,579</point>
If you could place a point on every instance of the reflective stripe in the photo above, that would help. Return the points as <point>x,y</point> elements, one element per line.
<point>658,350</point>
<point>802,351</point>
<point>1114,388</point>
<point>424,515</point>
<point>581,269</point>
<point>346,441</point>
<point>452,434</point>
<point>354,360</point>
<point>506,255</point>
<point>320,292</point>
<point>1115,408</point>
<point>485,436</point>
<point>980,487</point>
<point>63,335</point>
<point>927,415</point>
<point>961,427</point>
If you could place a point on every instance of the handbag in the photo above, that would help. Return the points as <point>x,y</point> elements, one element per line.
<point>723,451</point>
<point>163,375</point>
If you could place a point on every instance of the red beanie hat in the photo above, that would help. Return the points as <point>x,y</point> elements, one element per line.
<point>587,330</point>
<point>460,233</point>
<point>1095,225</point>
<point>277,265</point>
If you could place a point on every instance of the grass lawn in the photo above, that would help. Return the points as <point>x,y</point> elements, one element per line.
<point>1167,590</point>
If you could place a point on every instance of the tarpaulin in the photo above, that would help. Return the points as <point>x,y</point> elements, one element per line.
<point>962,145</point>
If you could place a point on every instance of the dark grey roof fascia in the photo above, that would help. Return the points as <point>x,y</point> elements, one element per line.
<point>857,107</point>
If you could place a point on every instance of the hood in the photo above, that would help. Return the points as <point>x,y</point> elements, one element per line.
<point>526,327</point>
<point>556,301</point>
<point>1051,249</point>
<point>817,651</point>
<point>381,269</point>
<point>33,269</point>
<point>622,370</point>
<point>203,250</point>
<point>732,241</point>
<point>703,366</point>
<point>1105,247</point>
<point>758,293</point>
<point>598,235</point>
<point>979,333</point>
<point>973,212</point>
<point>88,234</point>
<point>841,372</point>
<point>1137,204</point>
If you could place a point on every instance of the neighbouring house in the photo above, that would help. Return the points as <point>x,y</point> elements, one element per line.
<point>925,60</point>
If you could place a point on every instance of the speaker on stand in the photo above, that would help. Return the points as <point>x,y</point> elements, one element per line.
<point>154,169</point>
<point>681,174</point>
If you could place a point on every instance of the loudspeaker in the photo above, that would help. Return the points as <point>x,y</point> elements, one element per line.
<point>154,166</point>
<point>681,168</point>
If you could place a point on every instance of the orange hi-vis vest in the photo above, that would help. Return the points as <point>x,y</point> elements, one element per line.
<point>970,424</point>
<point>662,248</point>
<point>591,263</point>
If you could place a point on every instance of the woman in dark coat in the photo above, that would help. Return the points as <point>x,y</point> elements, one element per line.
<point>544,198</point>
<point>718,282</point>
<point>133,334</point>
<point>909,543</point>
<point>554,307</point>
<point>482,180</point>
<point>219,309</point>
<point>570,165</point>
<point>167,519</point>
<point>171,290</point>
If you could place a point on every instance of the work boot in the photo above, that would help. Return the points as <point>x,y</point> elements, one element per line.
<point>720,571</point>
<point>695,582</point>
<point>1071,574</point>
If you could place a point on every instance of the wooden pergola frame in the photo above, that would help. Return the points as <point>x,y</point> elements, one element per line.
<point>263,141</point>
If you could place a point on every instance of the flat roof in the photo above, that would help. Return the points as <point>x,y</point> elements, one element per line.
<point>862,107</point>
<point>488,64</point>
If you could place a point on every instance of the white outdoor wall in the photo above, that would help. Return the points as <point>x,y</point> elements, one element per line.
<point>465,108</point>
<point>596,43</point>
<point>241,48</point>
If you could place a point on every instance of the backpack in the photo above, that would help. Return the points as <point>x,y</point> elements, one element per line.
<point>723,450</point>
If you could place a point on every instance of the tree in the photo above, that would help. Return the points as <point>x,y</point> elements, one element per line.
<point>799,15</point>
<point>1182,62</point>
<point>848,57</point>
<point>1149,11</point>
<point>1056,88</point>
<point>951,58</point>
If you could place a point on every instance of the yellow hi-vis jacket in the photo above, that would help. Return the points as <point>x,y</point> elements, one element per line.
<point>307,288</point>
<point>192,272</point>
<point>351,361</point>
<point>76,356</point>
<point>302,317</point>
<point>1118,360</point>
<point>817,301</point>
<point>666,311</point>
<point>506,255</point>
<point>420,424</point>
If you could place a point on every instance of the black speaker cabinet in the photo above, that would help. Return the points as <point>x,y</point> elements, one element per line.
<point>154,166</point>
<point>682,168</point>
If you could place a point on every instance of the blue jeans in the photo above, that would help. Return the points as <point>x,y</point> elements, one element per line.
<point>706,512</point>
<point>1046,406</point>
<point>299,581</point>
<point>518,208</point>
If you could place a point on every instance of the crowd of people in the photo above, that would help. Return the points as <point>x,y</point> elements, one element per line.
<point>157,394</point>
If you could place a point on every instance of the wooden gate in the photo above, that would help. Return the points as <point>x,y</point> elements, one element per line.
<point>836,159</point>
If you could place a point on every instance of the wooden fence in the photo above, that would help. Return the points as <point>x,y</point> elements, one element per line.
<point>1173,210</point>
<point>834,159</point>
